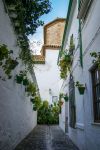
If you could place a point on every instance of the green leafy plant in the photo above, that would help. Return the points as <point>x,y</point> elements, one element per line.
<point>19,78</point>
<point>65,64</point>
<point>22,78</point>
<point>81,87</point>
<point>6,61</point>
<point>65,96</point>
<point>31,89</point>
<point>36,102</point>
<point>3,52</point>
<point>25,16</point>
<point>61,95</point>
<point>96,56</point>
<point>9,65</point>
<point>72,45</point>
<point>29,13</point>
<point>48,114</point>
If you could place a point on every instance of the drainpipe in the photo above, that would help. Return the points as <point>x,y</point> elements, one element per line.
<point>80,40</point>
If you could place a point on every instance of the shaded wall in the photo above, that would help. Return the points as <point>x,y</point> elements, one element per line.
<point>17,118</point>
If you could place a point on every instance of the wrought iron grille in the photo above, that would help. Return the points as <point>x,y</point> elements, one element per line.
<point>72,108</point>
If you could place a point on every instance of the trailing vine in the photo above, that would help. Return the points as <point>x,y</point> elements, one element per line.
<point>30,88</point>
<point>6,61</point>
<point>36,102</point>
<point>65,64</point>
<point>66,59</point>
<point>72,45</point>
<point>25,17</point>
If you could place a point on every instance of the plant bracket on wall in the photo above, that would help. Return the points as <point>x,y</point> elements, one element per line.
<point>81,87</point>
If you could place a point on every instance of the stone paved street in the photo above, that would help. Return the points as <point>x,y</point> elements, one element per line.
<point>45,137</point>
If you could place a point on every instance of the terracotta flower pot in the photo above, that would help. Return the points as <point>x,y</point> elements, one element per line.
<point>61,103</point>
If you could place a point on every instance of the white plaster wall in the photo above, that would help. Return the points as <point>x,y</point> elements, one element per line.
<point>62,117</point>
<point>72,27</point>
<point>87,133</point>
<point>48,75</point>
<point>91,42</point>
<point>17,118</point>
<point>77,135</point>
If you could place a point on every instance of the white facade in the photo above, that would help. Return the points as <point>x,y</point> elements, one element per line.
<point>48,76</point>
<point>86,134</point>
<point>17,117</point>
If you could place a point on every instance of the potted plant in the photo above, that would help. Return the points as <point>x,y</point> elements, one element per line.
<point>62,95</point>
<point>19,78</point>
<point>72,45</point>
<point>25,81</point>
<point>81,87</point>
<point>66,98</point>
<point>96,59</point>
<point>65,64</point>
<point>31,89</point>
<point>61,102</point>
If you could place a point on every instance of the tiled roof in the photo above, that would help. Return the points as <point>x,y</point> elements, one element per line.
<point>55,20</point>
<point>38,59</point>
<point>51,47</point>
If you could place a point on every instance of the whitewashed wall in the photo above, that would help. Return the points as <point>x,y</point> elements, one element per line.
<point>63,117</point>
<point>17,118</point>
<point>48,75</point>
<point>86,135</point>
<point>91,42</point>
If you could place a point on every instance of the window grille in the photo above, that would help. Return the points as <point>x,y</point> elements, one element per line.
<point>95,73</point>
<point>72,108</point>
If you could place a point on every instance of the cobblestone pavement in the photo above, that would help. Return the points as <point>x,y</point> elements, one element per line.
<point>45,137</point>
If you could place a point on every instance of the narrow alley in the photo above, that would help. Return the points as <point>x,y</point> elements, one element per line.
<point>45,137</point>
<point>49,74</point>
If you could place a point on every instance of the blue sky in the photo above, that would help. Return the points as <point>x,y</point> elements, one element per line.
<point>59,9</point>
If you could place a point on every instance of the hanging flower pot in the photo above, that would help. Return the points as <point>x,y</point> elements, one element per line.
<point>34,108</point>
<point>81,90</point>
<point>66,98</point>
<point>80,87</point>
<point>25,81</point>
<point>19,79</point>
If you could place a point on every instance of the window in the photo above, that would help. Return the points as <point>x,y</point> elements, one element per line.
<point>72,108</point>
<point>95,73</point>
